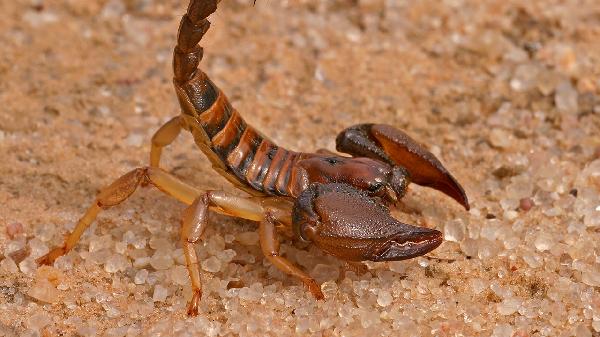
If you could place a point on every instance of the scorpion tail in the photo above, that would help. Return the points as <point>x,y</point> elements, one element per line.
<point>193,26</point>
<point>388,144</point>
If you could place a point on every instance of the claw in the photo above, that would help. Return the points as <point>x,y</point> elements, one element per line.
<point>386,143</point>
<point>347,223</point>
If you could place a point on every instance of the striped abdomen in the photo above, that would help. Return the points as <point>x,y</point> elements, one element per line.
<point>244,152</point>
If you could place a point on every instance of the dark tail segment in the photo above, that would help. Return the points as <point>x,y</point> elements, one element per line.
<point>251,158</point>
<point>193,26</point>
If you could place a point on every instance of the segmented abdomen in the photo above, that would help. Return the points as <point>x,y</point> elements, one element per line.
<point>253,159</point>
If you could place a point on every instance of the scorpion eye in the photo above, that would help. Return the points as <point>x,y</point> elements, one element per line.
<point>331,160</point>
<point>375,187</point>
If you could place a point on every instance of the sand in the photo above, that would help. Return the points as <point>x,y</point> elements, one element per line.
<point>505,93</point>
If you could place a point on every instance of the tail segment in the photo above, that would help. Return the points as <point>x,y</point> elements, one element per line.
<point>247,157</point>
<point>193,26</point>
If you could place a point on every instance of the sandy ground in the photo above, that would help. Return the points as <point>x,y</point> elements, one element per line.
<point>506,93</point>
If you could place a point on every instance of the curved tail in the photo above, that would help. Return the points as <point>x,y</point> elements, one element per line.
<point>237,150</point>
<point>188,54</point>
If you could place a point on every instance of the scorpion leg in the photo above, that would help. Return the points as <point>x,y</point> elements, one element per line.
<point>123,187</point>
<point>193,222</point>
<point>118,192</point>
<point>270,248</point>
<point>388,144</point>
<point>163,137</point>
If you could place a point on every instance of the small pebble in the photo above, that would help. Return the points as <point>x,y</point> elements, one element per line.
<point>543,241</point>
<point>161,260</point>
<point>596,325</point>
<point>39,321</point>
<point>98,243</point>
<point>454,231</point>
<point>582,331</point>
<point>565,98</point>
<point>591,277</point>
<point>215,244</point>
<point>526,204</point>
<point>8,266</point>
<point>226,255</point>
<point>116,263</point>
<point>229,238</point>
<point>43,290</point>
<point>180,275</point>
<point>500,138</point>
<point>160,293</point>
<point>502,330</point>
<point>508,306</point>
<point>384,298</point>
<point>135,139</point>
<point>211,264</point>
<point>141,276</point>
<point>369,318</point>
<point>14,229</point>
<point>45,232</point>
<point>325,272</point>
<point>87,331</point>
<point>28,266</point>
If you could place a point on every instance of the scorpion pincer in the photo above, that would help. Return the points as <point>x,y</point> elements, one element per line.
<point>339,203</point>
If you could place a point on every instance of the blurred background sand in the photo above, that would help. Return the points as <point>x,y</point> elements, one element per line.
<point>505,93</point>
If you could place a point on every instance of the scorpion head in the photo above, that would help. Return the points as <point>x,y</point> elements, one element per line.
<point>349,224</point>
<point>376,178</point>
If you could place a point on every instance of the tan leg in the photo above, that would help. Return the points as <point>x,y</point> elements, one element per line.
<point>164,136</point>
<point>193,224</point>
<point>193,221</point>
<point>270,247</point>
<point>116,193</point>
<point>123,187</point>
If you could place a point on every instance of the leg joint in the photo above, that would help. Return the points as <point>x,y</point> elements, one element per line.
<point>191,240</point>
<point>122,188</point>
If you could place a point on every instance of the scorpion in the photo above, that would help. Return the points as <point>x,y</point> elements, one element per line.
<point>337,202</point>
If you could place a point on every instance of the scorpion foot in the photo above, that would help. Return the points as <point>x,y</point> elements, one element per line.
<point>314,288</point>
<point>194,303</point>
<point>49,258</point>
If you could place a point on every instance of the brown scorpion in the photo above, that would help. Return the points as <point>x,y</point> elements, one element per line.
<point>339,203</point>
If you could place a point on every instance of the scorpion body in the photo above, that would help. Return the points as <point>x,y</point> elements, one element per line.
<point>339,203</point>
<point>236,149</point>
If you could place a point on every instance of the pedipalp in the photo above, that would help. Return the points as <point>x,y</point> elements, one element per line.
<point>393,146</point>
